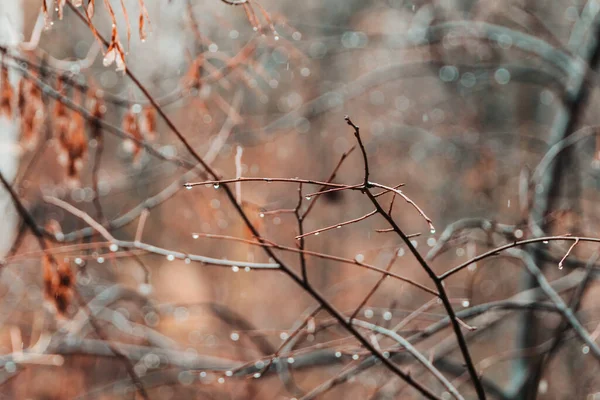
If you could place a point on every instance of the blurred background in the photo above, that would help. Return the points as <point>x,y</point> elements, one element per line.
<point>458,100</point>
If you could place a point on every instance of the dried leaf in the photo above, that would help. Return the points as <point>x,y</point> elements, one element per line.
<point>21,99</point>
<point>115,52</point>
<point>47,16</point>
<point>59,281</point>
<point>89,13</point>
<point>120,60</point>
<point>31,111</point>
<point>6,93</point>
<point>147,123</point>
<point>72,141</point>
<point>60,4</point>
<point>142,31</point>
<point>127,24</point>
<point>98,109</point>
<point>90,9</point>
<point>131,126</point>
<point>110,56</point>
<point>111,13</point>
<point>142,20</point>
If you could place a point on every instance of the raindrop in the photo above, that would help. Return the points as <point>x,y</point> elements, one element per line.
<point>276,37</point>
<point>235,336</point>
<point>195,236</point>
<point>355,357</point>
<point>308,198</point>
<point>228,373</point>
<point>262,215</point>
<point>316,233</point>
<point>113,247</point>
<point>100,260</point>
<point>585,349</point>
<point>247,269</point>
<point>338,354</point>
<point>188,186</point>
<point>216,185</point>
<point>545,242</point>
<point>221,380</point>
<point>170,257</point>
<point>257,375</point>
<point>290,360</point>
<point>466,303</point>
<point>235,268</point>
<point>431,228</point>
<point>339,226</point>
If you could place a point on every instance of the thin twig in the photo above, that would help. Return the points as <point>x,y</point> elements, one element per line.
<point>437,281</point>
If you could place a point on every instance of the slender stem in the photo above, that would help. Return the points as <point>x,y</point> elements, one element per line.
<point>437,281</point>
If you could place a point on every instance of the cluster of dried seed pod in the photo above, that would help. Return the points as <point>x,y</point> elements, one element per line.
<point>28,107</point>
<point>32,112</point>
<point>71,140</point>
<point>140,125</point>
<point>69,126</point>
<point>59,282</point>
<point>6,93</point>
<point>97,110</point>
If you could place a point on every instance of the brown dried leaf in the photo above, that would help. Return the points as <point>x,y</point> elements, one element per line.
<point>6,93</point>
<point>142,20</point>
<point>59,281</point>
<point>31,111</point>
<point>142,30</point>
<point>60,4</point>
<point>72,141</point>
<point>110,56</point>
<point>147,123</point>
<point>120,60</point>
<point>127,24</point>
<point>47,16</point>
<point>97,109</point>
<point>131,126</point>
<point>90,9</point>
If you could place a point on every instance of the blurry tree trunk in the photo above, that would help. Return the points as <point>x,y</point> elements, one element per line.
<point>567,118</point>
<point>11,28</point>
